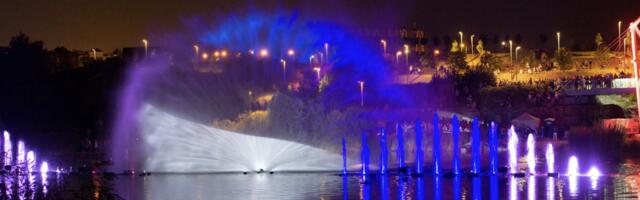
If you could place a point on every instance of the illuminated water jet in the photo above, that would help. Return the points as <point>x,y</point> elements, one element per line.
<point>531,154</point>
<point>384,157</point>
<point>400,146</point>
<point>435,145</point>
<point>493,148</point>
<point>419,154</point>
<point>7,149</point>
<point>475,146</point>
<point>573,168</point>
<point>594,174</point>
<point>550,158</point>
<point>512,147</point>
<point>455,124</point>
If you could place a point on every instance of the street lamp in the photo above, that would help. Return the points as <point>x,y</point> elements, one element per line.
<point>361,93</point>
<point>264,52</point>
<point>317,70</point>
<point>511,51</point>
<point>311,59</point>
<point>436,52</point>
<point>146,46</point>
<point>284,69</point>
<point>223,53</point>
<point>472,44</point>
<point>94,54</point>
<point>558,36</point>
<point>290,52</point>
<point>406,54</point>
<point>461,40</point>
<point>384,47</point>
<point>619,29</point>
<point>517,48</point>
<point>196,48</point>
<point>398,54</point>
<point>326,52</point>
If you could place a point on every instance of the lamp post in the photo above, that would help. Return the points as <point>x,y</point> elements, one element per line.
<point>94,54</point>
<point>311,59</point>
<point>284,69</point>
<point>406,54</point>
<point>317,70</point>
<point>384,47</point>
<point>290,52</point>
<point>326,52</point>
<point>361,83</point>
<point>472,47</point>
<point>558,36</point>
<point>619,31</point>
<point>511,51</point>
<point>461,39</point>
<point>517,48</point>
<point>146,46</point>
<point>196,48</point>
<point>398,54</point>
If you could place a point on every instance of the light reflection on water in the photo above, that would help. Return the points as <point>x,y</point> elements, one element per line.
<point>328,186</point>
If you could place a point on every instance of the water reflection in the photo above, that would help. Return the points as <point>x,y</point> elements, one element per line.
<point>551,188</point>
<point>402,190</point>
<point>493,182</point>
<point>513,188</point>
<point>420,188</point>
<point>384,187</point>
<point>437,189</point>
<point>365,191</point>
<point>573,186</point>
<point>345,187</point>
<point>456,187</point>
<point>531,188</point>
<point>477,188</point>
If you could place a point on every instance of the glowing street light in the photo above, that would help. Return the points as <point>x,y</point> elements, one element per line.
<point>196,48</point>
<point>284,69</point>
<point>436,52</point>
<point>384,46</point>
<point>216,54</point>
<point>223,53</point>
<point>205,56</point>
<point>94,53</point>
<point>311,59</point>
<point>326,51</point>
<point>398,54</point>
<point>461,40</point>
<point>558,36</point>
<point>146,46</point>
<point>317,70</point>
<point>517,48</point>
<point>290,52</point>
<point>264,52</point>
<point>361,83</point>
<point>406,54</point>
<point>472,44</point>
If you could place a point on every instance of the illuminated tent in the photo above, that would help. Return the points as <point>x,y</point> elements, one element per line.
<point>526,120</point>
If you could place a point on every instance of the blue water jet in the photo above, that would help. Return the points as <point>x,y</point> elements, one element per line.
<point>436,145</point>
<point>493,187</point>
<point>493,148</point>
<point>437,191</point>
<point>419,154</point>
<point>420,188</point>
<point>400,148</point>
<point>365,157</point>
<point>384,187</point>
<point>344,156</point>
<point>475,145</point>
<point>455,125</point>
<point>383,151</point>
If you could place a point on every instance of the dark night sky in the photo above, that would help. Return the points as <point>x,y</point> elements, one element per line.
<point>110,24</point>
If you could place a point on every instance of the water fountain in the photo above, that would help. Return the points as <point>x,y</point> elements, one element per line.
<point>493,148</point>
<point>550,159</point>
<point>531,154</point>
<point>512,147</point>
<point>383,151</point>
<point>344,156</point>
<point>21,157</point>
<point>475,146</point>
<point>400,147</point>
<point>455,133</point>
<point>7,149</point>
<point>594,174</point>
<point>364,157</point>
<point>573,168</point>
<point>436,145</point>
<point>419,154</point>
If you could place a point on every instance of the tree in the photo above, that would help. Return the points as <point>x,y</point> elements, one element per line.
<point>599,40</point>
<point>563,59</point>
<point>454,46</point>
<point>489,62</point>
<point>480,47</point>
<point>543,39</point>
<point>602,51</point>
<point>457,61</point>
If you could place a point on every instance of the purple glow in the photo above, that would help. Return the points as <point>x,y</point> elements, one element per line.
<point>7,148</point>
